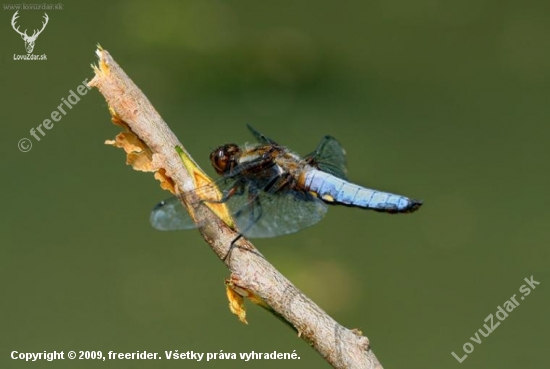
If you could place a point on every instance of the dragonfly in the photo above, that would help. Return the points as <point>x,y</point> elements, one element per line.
<point>272,191</point>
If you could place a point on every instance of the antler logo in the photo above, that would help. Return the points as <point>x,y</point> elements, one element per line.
<point>29,40</point>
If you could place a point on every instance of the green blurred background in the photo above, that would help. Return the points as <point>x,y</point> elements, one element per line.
<point>444,101</point>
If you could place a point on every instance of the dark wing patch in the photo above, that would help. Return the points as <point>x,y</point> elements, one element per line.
<point>260,137</point>
<point>330,157</point>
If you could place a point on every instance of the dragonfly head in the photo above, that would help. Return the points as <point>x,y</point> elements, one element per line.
<point>225,158</point>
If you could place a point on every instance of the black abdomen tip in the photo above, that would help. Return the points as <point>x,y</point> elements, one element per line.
<point>414,206</point>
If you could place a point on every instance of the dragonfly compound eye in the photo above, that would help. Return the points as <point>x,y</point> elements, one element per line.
<point>224,158</point>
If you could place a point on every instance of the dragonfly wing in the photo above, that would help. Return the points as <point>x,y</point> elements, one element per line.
<point>330,157</point>
<point>261,215</point>
<point>264,215</point>
<point>171,215</point>
<point>260,137</point>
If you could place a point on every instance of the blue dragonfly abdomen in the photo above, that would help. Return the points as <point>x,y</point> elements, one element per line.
<point>332,189</point>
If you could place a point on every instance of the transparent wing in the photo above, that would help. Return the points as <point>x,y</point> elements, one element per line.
<point>260,137</point>
<point>171,215</point>
<point>258,214</point>
<point>330,157</point>
<point>263,214</point>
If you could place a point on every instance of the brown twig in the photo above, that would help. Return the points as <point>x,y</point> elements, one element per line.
<point>251,274</point>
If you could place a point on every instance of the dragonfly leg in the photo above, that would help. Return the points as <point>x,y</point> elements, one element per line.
<point>254,203</point>
<point>231,246</point>
<point>234,245</point>
<point>236,190</point>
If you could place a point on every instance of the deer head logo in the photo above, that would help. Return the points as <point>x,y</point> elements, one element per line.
<point>29,40</point>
